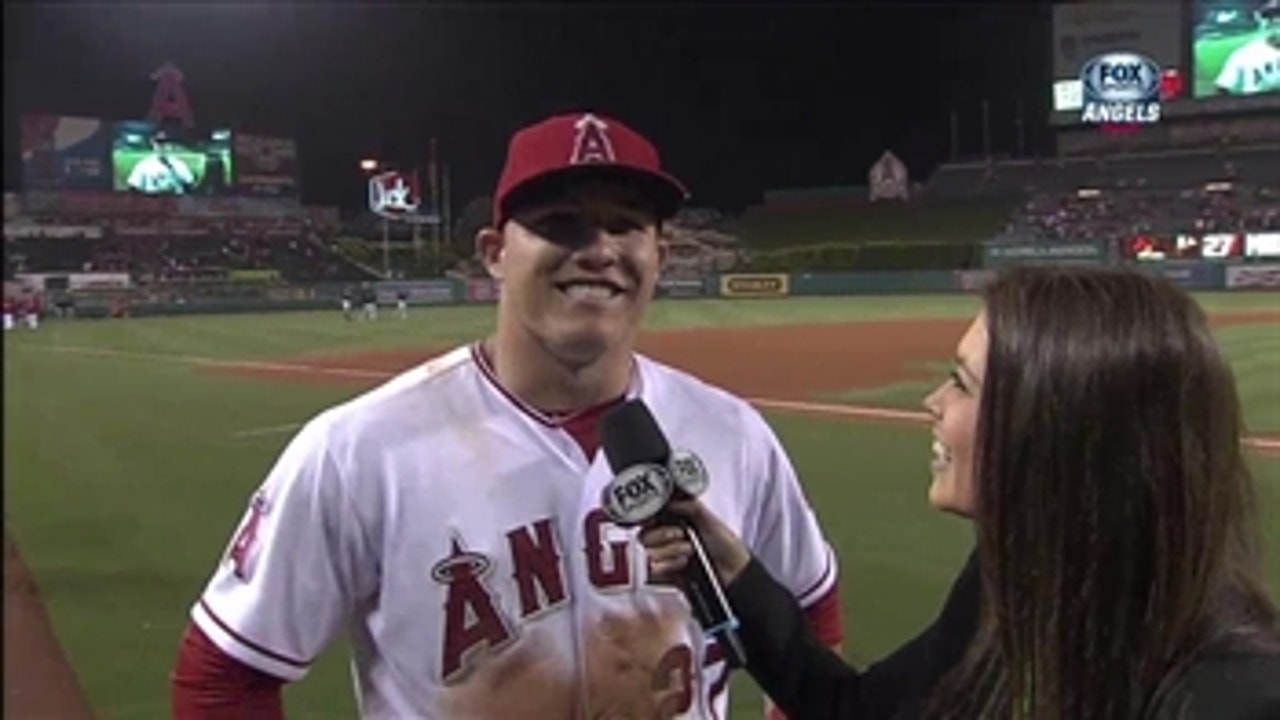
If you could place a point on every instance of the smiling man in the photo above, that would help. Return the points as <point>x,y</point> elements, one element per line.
<point>451,517</point>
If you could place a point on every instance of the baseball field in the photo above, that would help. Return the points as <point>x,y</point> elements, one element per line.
<point>132,446</point>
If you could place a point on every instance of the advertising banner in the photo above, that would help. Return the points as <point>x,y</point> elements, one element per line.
<point>995,254</point>
<point>166,228</point>
<point>417,292</point>
<point>31,231</point>
<point>681,287</point>
<point>973,280</point>
<point>265,166</point>
<point>762,285</point>
<point>253,275</point>
<point>238,207</point>
<point>110,203</point>
<point>76,281</point>
<point>1253,277</point>
<point>65,153</point>
<point>1190,275</point>
<point>482,290</point>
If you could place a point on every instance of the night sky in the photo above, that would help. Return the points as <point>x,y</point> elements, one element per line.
<point>739,98</point>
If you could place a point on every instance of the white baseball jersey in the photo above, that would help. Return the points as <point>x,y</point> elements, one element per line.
<point>154,174</point>
<point>458,535</point>
<point>1252,69</point>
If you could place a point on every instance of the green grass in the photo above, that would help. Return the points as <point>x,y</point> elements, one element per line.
<point>124,478</point>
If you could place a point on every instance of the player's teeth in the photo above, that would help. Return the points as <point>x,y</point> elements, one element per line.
<point>588,292</point>
<point>940,452</point>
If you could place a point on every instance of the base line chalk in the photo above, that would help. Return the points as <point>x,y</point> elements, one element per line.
<point>812,408</point>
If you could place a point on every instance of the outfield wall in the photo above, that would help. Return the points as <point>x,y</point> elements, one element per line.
<point>260,297</point>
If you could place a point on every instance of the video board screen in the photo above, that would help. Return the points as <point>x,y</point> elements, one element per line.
<point>152,160</point>
<point>1235,47</point>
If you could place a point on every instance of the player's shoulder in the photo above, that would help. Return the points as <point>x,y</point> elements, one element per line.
<point>713,404</point>
<point>409,403</point>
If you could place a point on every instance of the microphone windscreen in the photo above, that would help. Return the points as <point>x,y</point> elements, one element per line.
<point>630,436</point>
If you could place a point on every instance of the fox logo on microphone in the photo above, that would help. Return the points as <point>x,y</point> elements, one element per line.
<point>1120,87</point>
<point>637,494</point>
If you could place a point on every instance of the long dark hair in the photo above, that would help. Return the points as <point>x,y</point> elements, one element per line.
<point>1115,511</point>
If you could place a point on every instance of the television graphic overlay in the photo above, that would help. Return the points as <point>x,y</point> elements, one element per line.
<point>1121,87</point>
<point>65,153</point>
<point>153,160</point>
<point>1235,47</point>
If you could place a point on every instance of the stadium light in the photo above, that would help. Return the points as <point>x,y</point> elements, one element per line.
<point>368,164</point>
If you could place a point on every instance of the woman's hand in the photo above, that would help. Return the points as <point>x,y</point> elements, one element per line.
<point>669,549</point>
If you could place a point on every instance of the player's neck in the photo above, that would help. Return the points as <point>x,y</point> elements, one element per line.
<point>526,370</point>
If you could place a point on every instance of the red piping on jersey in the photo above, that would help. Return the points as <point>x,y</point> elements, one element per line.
<point>822,579</point>
<point>249,643</point>
<point>550,420</point>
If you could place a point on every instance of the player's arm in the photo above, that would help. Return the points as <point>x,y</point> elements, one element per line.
<point>789,543</point>
<point>299,561</point>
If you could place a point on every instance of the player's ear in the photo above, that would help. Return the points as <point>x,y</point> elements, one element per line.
<point>489,245</point>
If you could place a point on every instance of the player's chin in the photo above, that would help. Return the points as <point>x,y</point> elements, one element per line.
<point>582,341</point>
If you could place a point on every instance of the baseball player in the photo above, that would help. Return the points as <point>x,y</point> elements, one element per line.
<point>346,304</point>
<point>161,172</point>
<point>451,520</point>
<point>1254,68</point>
<point>402,304</point>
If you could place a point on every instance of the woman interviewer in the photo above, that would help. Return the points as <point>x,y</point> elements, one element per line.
<point>1092,431</point>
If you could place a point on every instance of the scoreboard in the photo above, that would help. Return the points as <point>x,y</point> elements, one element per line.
<point>1202,246</point>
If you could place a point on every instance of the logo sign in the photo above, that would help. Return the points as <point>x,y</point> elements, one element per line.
<point>688,473</point>
<point>394,194</point>
<point>637,494</point>
<point>1253,276</point>
<point>754,285</point>
<point>1121,87</point>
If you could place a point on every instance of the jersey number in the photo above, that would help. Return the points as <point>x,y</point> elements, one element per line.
<point>672,683</point>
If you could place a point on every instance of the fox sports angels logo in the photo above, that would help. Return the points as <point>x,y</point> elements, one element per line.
<point>1120,87</point>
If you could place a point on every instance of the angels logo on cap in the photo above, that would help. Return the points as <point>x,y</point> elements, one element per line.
<point>592,144</point>
<point>572,145</point>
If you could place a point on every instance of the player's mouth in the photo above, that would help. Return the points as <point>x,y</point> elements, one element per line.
<point>941,456</point>
<point>597,291</point>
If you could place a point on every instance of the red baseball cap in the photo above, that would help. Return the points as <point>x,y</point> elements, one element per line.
<point>588,144</point>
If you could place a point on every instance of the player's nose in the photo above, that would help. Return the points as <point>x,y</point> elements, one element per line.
<point>599,249</point>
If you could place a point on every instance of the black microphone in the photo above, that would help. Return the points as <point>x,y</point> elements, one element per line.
<point>647,475</point>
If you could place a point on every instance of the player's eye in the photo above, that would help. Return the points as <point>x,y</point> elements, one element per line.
<point>621,225</point>
<point>958,381</point>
